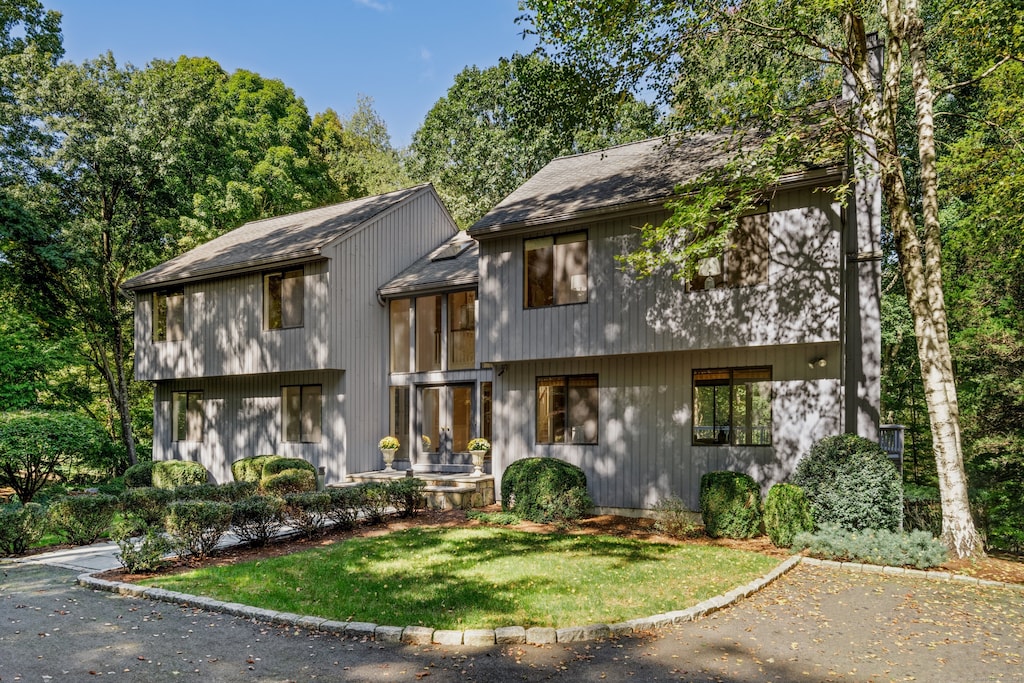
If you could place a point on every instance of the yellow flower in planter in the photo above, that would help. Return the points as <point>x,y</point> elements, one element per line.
<point>479,444</point>
<point>388,443</point>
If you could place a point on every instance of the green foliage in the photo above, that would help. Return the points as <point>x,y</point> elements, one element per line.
<point>873,546</point>
<point>251,468</point>
<point>496,518</point>
<point>496,127</point>
<point>307,512</point>
<point>850,481</point>
<point>373,501</point>
<point>142,547</point>
<point>278,465</point>
<point>140,474</point>
<point>20,526</point>
<point>35,445</point>
<point>922,509</point>
<point>170,474</point>
<point>406,495</point>
<point>787,513</point>
<point>545,490</point>
<point>289,481</point>
<point>673,518</point>
<point>195,526</point>
<point>83,519</point>
<point>345,506</point>
<point>730,505</point>
<point>997,469</point>
<point>147,503</point>
<point>257,519</point>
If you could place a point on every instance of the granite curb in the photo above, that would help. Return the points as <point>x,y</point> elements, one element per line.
<point>422,635</point>
<point>913,573</point>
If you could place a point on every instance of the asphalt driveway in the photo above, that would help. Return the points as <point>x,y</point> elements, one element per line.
<point>814,624</point>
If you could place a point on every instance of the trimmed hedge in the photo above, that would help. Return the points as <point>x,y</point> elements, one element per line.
<point>147,502</point>
<point>786,514</point>
<point>345,506</point>
<point>289,481</point>
<point>257,519</point>
<point>373,501</point>
<point>251,468</point>
<point>83,519</point>
<point>873,546</point>
<point>139,475</point>
<point>545,490</point>
<point>730,505</point>
<point>308,512</point>
<point>170,474</point>
<point>280,464</point>
<point>145,554</point>
<point>20,526</point>
<point>851,482</point>
<point>406,495</point>
<point>195,526</point>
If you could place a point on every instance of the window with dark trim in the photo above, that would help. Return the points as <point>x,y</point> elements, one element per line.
<point>732,407</point>
<point>301,413</point>
<point>283,299</point>
<point>744,263</point>
<point>169,315</point>
<point>555,270</point>
<point>187,415</point>
<point>567,409</point>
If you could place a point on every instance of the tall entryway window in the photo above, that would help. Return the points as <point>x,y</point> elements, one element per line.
<point>446,422</point>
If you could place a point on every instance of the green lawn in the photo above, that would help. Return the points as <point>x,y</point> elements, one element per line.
<point>480,577</point>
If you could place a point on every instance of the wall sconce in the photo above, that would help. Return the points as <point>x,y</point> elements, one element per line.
<point>817,362</point>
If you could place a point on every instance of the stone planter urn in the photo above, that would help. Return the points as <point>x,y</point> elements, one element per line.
<point>389,457</point>
<point>478,462</point>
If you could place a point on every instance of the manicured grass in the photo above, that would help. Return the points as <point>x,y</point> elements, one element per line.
<point>480,578</point>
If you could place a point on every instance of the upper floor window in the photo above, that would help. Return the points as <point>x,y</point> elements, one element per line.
<point>461,330</point>
<point>399,311</point>
<point>283,296</point>
<point>732,406</point>
<point>555,270</point>
<point>169,315</point>
<point>187,415</point>
<point>567,409</point>
<point>301,409</point>
<point>428,333</point>
<point>744,262</point>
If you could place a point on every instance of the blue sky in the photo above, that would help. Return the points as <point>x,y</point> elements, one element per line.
<point>402,53</point>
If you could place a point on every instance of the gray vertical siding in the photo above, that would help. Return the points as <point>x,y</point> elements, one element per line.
<point>644,450</point>
<point>243,418</point>
<point>800,304</point>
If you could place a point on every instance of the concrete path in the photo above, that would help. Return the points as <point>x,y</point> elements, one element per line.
<point>813,624</point>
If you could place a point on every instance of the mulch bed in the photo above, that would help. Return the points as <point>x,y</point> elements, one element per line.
<point>996,567</point>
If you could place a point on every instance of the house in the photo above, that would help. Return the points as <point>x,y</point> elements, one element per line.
<point>271,339</point>
<point>313,335</point>
<point>647,384</point>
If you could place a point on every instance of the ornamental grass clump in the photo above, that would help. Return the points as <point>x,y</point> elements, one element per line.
<point>545,490</point>
<point>851,482</point>
<point>195,526</point>
<point>20,526</point>
<point>786,514</point>
<point>730,505</point>
<point>873,546</point>
<point>673,518</point>
<point>257,519</point>
<point>83,519</point>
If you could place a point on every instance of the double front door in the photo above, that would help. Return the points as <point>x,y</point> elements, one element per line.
<point>445,423</point>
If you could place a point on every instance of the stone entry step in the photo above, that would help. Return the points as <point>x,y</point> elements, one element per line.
<point>443,491</point>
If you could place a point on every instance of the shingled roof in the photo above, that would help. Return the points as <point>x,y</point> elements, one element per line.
<point>635,173</point>
<point>280,239</point>
<point>453,265</point>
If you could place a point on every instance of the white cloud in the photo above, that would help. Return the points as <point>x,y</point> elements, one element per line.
<point>425,54</point>
<point>375,5</point>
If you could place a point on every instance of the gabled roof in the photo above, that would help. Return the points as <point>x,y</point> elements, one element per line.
<point>292,237</point>
<point>451,266</point>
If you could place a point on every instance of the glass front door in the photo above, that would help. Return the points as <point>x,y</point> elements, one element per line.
<point>445,423</point>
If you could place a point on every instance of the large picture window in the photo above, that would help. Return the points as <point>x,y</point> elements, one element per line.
<point>732,407</point>
<point>744,263</point>
<point>555,270</point>
<point>567,409</point>
<point>401,343</point>
<point>169,315</point>
<point>283,297</point>
<point>187,415</point>
<point>301,409</point>
<point>428,333</point>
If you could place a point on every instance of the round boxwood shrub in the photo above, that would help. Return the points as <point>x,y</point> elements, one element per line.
<point>195,526</point>
<point>278,465</point>
<point>289,481</point>
<point>730,505</point>
<point>170,474</point>
<point>786,513</point>
<point>20,526</point>
<point>82,519</point>
<point>148,503</point>
<point>251,468</point>
<point>851,482</point>
<point>139,475</point>
<point>545,490</point>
